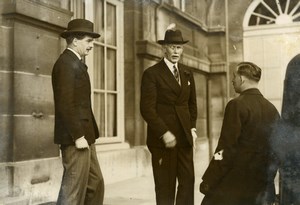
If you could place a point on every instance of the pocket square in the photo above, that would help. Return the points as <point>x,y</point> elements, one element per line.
<point>219,155</point>
<point>189,83</point>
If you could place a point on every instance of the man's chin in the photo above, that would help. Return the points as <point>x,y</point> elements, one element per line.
<point>175,60</point>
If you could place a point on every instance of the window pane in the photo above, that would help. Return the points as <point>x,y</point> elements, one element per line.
<point>111,115</point>
<point>177,3</point>
<point>98,67</point>
<point>99,19</point>
<point>111,70</point>
<point>111,24</point>
<point>99,112</point>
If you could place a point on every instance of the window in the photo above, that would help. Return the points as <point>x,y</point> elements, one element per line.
<point>273,12</point>
<point>180,4</point>
<point>106,68</point>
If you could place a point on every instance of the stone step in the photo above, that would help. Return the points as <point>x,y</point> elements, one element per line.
<point>15,201</point>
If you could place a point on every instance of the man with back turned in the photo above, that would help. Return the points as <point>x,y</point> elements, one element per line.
<point>243,167</point>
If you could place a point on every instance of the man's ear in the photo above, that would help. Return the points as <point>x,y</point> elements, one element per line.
<point>243,78</point>
<point>75,40</point>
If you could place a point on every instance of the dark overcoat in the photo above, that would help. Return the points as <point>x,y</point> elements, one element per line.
<point>72,99</point>
<point>245,175</point>
<point>167,106</point>
<point>288,135</point>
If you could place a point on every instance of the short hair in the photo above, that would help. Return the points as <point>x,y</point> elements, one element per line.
<point>70,38</point>
<point>249,70</point>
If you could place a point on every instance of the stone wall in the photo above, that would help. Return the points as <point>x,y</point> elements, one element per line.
<point>30,165</point>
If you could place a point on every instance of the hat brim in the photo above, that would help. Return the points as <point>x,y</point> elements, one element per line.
<point>163,42</point>
<point>65,34</point>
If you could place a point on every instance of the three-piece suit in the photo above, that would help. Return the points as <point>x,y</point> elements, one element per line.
<point>167,105</point>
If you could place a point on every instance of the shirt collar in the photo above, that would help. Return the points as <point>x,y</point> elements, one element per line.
<point>170,64</point>
<point>79,57</point>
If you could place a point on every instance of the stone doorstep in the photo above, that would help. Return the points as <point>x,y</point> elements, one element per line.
<point>21,200</point>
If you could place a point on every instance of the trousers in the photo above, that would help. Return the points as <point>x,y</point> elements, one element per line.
<point>82,181</point>
<point>170,167</point>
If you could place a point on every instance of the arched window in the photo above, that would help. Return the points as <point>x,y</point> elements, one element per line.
<point>266,12</point>
<point>271,31</point>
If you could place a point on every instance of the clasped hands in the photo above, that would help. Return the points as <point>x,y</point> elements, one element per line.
<point>81,143</point>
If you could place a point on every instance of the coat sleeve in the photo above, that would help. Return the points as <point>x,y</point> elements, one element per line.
<point>64,97</point>
<point>230,133</point>
<point>193,102</point>
<point>148,104</point>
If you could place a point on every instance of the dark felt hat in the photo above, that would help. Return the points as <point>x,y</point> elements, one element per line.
<point>80,26</point>
<point>173,36</point>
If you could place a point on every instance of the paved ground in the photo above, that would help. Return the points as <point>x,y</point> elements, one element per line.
<point>138,191</point>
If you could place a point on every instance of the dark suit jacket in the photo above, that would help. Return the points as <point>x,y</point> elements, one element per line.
<point>72,100</point>
<point>247,169</point>
<point>167,106</point>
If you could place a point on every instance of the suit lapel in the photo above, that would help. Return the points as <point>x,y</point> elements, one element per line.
<point>169,78</point>
<point>82,66</point>
<point>184,81</point>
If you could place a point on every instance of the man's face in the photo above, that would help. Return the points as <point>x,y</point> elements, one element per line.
<point>173,52</point>
<point>237,82</point>
<point>84,45</point>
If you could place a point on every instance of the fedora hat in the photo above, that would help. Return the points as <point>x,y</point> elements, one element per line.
<point>172,36</point>
<point>81,26</point>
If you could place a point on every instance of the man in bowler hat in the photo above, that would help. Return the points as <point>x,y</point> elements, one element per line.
<point>75,126</point>
<point>168,105</point>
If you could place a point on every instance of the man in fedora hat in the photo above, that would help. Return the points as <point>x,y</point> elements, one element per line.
<point>168,105</point>
<point>75,126</point>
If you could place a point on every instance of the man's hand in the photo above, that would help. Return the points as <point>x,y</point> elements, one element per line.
<point>81,143</point>
<point>169,139</point>
<point>194,135</point>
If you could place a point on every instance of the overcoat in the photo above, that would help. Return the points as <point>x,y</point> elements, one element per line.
<point>167,106</point>
<point>245,175</point>
<point>288,135</point>
<point>72,96</point>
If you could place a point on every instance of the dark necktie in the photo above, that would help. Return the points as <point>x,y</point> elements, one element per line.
<point>82,62</point>
<point>176,74</point>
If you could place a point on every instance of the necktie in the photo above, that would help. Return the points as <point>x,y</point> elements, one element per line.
<point>82,62</point>
<point>176,74</point>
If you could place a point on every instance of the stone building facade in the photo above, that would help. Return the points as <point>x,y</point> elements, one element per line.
<point>30,164</point>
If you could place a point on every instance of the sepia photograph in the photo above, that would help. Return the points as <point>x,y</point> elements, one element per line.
<point>149,102</point>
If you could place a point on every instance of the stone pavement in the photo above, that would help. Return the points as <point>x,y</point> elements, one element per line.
<point>138,191</point>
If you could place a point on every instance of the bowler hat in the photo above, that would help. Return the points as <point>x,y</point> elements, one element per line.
<point>81,26</point>
<point>173,36</point>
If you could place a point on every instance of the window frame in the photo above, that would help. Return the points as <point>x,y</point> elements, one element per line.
<point>181,5</point>
<point>119,48</point>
